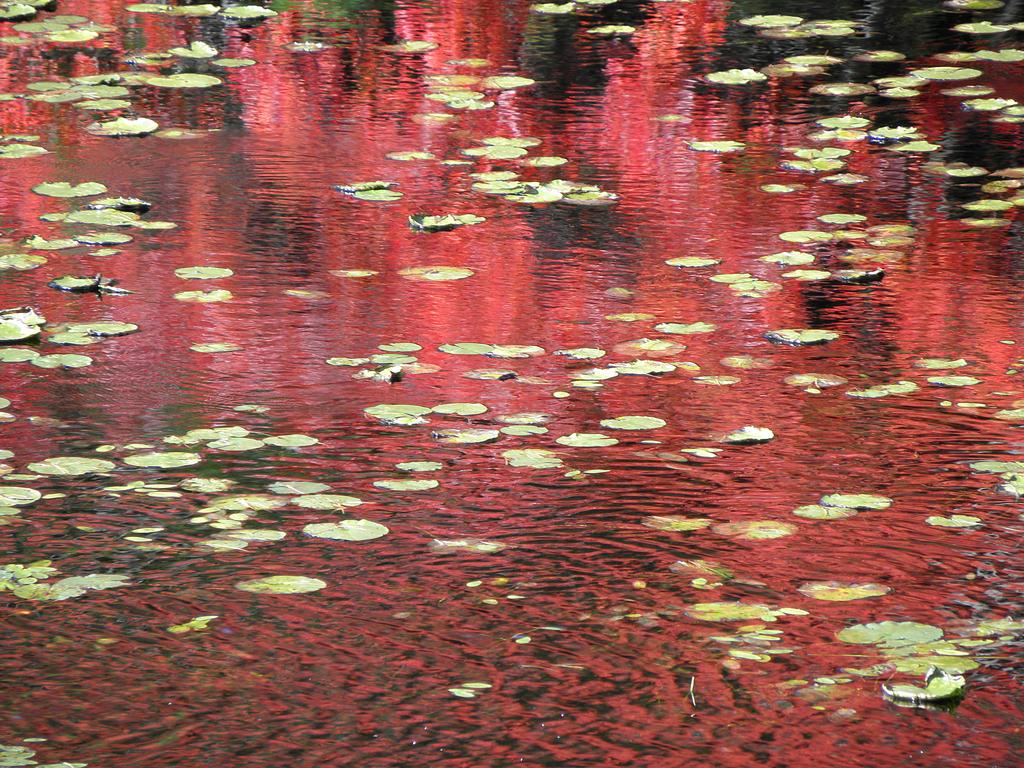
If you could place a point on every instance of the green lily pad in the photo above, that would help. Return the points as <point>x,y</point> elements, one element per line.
<point>66,189</point>
<point>953,521</point>
<point>70,466</point>
<point>856,501</point>
<point>419,466</point>
<point>202,273</point>
<point>236,444</point>
<point>633,422</point>
<point>13,496</point>
<point>166,460</point>
<point>433,274</point>
<point>401,484</point>
<point>197,49</point>
<point>204,297</point>
<point>749,435</point>
<point>347,530</point>
<point>326,501</point>
<point>717,147</point>
<point>19,151</point>
<point>123,126</point>
<point>890,634</point>
<point>534,458</point>
<point>940,685</point>
<point>290,441</point>
<point>801,337</point>
<point>21,261</point>
<point>586,440</point>
<point>61,361</point>
<point>443,223</point>
<point>736,77</point>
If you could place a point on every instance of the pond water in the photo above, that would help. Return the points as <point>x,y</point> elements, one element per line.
<point>509,415</point>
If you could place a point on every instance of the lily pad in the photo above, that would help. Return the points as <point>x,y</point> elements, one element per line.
<point>166,460</point>
<point>281,585</point>
<point>890,634</point>
<point>633,422</point>
<point>756,530</point>
<point>347,530</point>
<point>70,466</point>
<point>840,592</point>
<point>64,189</point>
<point>801,337</point>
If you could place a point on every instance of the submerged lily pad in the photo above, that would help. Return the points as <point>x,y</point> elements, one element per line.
<point>756,530</point>
<point>840,592</point>
<point>281,585</point>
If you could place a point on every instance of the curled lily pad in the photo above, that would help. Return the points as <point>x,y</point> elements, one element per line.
<point>801,337</point>
<point>281,585</point>
<point>749,435</point>
<point>448,221</point>
<point>123,126</point>
<point>940,685</point>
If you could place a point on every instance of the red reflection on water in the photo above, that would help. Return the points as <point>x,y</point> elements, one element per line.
<point>361,672</point>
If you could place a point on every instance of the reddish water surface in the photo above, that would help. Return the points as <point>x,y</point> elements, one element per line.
<point>583,623</point>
